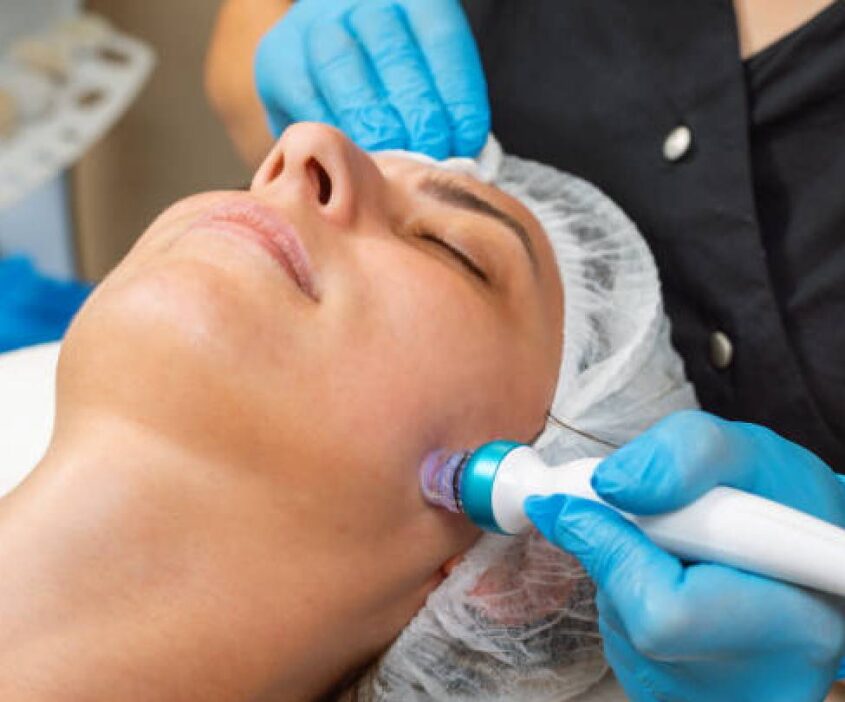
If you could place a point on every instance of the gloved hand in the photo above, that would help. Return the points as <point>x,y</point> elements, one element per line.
<point>392,74</point>
<point>702,632</point>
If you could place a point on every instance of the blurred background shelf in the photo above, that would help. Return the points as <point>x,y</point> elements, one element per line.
<point>66,77</point>
<point>167,145</point>
<point>40,225</point>
<point>161,144</point>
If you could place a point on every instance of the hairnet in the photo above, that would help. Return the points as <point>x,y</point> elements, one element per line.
<point>516,619</point>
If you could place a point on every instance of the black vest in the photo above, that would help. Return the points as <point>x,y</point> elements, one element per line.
<point>595,87</point>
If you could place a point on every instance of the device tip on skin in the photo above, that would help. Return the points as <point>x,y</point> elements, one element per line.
<point>439,477</point>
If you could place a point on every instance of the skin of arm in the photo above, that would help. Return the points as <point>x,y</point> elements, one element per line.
<point>229,76</point>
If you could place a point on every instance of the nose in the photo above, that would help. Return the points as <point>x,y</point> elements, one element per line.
<point>318,167</point>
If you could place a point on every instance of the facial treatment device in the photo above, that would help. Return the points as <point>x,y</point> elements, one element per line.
<point>725,525</point>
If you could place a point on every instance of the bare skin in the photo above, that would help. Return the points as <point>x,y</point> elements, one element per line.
<point>229,508</point>
<point>229,81</point>
<point>762,22</point>
<point>242,23</point>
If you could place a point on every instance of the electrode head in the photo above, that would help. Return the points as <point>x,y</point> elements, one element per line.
<point>440,478</point>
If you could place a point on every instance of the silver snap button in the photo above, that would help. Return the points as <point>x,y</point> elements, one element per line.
<point>721,350</point>
<point>678,143</point>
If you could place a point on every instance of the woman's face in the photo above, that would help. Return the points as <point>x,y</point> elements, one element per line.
<point>330,327</point>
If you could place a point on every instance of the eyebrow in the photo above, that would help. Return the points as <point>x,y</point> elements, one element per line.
<point>456,195</point>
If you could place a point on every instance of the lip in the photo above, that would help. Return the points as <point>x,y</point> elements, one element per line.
<point>265,226</point>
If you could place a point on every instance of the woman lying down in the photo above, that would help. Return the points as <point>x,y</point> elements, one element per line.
<point>229,507</point>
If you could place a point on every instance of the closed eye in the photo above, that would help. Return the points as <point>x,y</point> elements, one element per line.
<point>457,254</point>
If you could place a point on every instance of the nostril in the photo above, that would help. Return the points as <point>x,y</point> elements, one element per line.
<point>277,168</point>
<point>323,181</point>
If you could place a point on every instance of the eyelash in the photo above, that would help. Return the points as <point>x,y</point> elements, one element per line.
<point>456,253</point>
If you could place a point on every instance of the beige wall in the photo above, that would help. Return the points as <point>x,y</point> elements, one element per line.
<point>168,145</point>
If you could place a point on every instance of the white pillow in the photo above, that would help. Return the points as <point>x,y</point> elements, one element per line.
<point>27,405</point>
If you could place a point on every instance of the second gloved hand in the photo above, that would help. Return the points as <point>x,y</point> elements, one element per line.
<point>392,74</point>
<point>702,632</point>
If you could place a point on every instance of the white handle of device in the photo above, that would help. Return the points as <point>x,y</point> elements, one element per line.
<point>725,525</point>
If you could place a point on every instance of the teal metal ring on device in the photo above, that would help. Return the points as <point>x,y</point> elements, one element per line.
<point>477,480</point>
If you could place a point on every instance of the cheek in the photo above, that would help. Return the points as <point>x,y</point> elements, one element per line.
<point>429,359</point>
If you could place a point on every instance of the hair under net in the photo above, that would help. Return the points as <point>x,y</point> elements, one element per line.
<point>516,619</point>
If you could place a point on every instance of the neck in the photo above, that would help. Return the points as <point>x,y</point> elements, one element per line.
<point>133,570</point>
<point>762,22</point>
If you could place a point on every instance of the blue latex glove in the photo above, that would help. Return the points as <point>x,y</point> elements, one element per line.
<point>390,73</point>
<point>34,309</point>
<point>702,632</point>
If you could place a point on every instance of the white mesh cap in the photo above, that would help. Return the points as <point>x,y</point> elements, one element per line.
<point>516,619</point>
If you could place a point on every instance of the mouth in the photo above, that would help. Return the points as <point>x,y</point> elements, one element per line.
<point>265,227</point>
